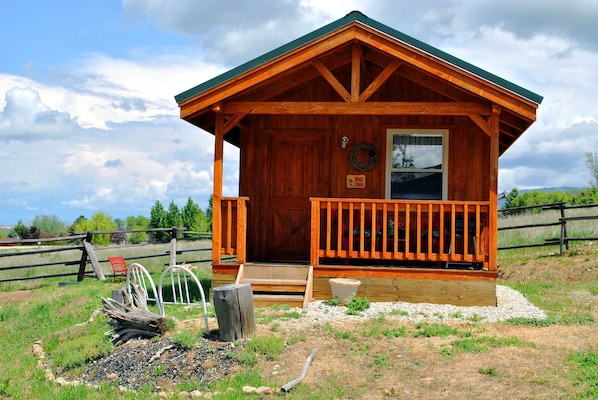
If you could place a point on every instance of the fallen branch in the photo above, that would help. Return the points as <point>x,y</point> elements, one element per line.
<point>291,384</point>
<point>132,318</point>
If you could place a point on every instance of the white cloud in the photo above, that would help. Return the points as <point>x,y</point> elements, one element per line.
<point>26,118</point>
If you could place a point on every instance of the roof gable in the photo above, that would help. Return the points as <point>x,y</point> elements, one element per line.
<point>352,18</point>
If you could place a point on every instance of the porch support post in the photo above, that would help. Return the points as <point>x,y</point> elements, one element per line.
<point>493,122</point>
<point>217,198</point>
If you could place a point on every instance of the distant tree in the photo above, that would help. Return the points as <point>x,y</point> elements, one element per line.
<point>21,231</point>
<point>18,230</point>
<point>209,213</point>
<point>139,222</point>
<point>173,216</point>
<point>194,219</point>
<point>158,220</point>
<point>49,225</point>
<point>588,196</point>
<point>99,221</point>
<point>592,164</point>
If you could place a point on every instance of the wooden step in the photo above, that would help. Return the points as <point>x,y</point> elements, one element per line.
<point>276,285</point>
<point>264,300</point>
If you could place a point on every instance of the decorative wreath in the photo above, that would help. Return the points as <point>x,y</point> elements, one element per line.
<point>363,166</point>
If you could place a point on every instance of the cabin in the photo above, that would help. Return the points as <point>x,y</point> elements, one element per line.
<point>364,154</point>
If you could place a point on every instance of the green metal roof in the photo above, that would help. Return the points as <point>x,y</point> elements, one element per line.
<point>356,16</point>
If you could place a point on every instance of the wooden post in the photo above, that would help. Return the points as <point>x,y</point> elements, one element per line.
<point>493,197</point>
<point>173,234</point>
<point>217,198</point>
<point>88,249</point>
<point>234,311</point>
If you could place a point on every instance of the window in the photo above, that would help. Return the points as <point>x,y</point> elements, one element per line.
<point>416,164</point>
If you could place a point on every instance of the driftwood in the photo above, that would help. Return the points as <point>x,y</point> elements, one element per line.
<point>294,382</point>
<point>131,318</point>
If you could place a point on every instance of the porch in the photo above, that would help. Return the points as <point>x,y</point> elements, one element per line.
<point>400,250</point>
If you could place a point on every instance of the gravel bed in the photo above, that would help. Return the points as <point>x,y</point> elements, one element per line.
<point>511,304</point>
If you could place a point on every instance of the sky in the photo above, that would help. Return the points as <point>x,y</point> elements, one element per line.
<point>88,120</point>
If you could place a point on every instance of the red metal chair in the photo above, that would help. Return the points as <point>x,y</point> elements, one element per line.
<point>119,266</point>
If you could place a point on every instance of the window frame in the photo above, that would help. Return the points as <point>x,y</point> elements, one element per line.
<point>417,131</point>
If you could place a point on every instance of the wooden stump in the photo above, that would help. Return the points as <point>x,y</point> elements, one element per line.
<point>130,318</point>
<point>234,310</point>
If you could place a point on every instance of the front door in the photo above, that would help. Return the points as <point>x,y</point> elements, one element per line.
<point>297,170</point>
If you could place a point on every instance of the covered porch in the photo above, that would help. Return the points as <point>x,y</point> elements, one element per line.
<point>417,251</point>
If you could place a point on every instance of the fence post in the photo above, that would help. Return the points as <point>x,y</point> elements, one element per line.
<point>563,229</point>
<point>88,252</point>
<point>173,235</point>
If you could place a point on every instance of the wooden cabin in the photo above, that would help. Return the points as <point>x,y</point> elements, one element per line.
<point>365,154</point>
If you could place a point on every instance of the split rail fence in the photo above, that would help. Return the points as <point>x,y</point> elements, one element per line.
<point>82,244</point>
<point>562,222</point>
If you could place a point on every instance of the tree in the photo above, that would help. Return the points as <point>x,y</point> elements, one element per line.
<point>592,164</point>
<point>194,219</point>
<point>173,216</point>
<point>158,220</point>
<point>139,222</point>
<point>21,231</point>
<point>49,225</point>
<point>99,221</point>
<point>209,213</point>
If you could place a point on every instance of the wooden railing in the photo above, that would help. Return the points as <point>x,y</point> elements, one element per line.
<point>234,227</point>
<point>400,231</point>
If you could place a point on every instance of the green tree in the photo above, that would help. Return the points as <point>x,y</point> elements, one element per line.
<point>194,219</point>
<point>139,222</point>
<point>50,225</point>
<point>209,213</point>
<point>158,220</point>
<point>173,216</point>
<point>99,221</point>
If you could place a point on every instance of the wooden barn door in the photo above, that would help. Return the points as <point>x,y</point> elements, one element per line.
<point>297,170</point>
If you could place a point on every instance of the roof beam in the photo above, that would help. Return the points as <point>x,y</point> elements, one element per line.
<point>361,108</point>
<point>356,54</point>
<point>331,79</point>
<point>380,79</point>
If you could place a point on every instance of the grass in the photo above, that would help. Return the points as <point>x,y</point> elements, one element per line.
<point>523,357</point>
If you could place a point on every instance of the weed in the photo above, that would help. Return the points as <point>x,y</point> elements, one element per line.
<point>186,338</point>
<point>380,361</point>
<point>488,371</point>
<point>335,302</point>
<point>481,345</point>
<point>357,304</point>
<point>429,330</point>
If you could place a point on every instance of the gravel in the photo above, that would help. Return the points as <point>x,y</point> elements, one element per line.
<point>511,304</point>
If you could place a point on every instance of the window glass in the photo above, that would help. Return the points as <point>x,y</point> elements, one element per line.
<point>417,164</point>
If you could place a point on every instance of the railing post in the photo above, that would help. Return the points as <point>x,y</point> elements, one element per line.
<point>241,231</point>
<point>314,258</point>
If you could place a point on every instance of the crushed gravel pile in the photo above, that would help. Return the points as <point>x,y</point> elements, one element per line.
<point>511,304</point>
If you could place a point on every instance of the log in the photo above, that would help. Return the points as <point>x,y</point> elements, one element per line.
<point>234,310</point>
<point>131,318</point>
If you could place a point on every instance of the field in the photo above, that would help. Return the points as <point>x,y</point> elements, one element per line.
<point>555,358</point>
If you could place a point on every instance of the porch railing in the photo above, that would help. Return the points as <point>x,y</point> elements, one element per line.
<point>401,232</point>
<point>234,227</point>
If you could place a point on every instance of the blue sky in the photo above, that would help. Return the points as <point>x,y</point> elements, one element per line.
<point>88,120</point>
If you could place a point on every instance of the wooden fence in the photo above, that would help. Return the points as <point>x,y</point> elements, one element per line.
<point>563,239</point>
<point>82,242</point>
